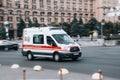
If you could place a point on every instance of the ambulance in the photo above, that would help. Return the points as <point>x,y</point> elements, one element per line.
<point>51,42</point>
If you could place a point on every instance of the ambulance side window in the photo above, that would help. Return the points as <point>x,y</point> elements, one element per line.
<point>50,41</point>
<point>38,39</point>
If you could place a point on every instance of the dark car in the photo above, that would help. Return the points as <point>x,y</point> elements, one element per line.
<point>8,45</point>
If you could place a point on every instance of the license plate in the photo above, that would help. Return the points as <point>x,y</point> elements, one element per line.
<point>76,53</point>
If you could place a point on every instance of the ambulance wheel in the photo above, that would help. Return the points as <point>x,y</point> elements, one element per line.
<point>6,48</point>
<point>57,57</point>
<point>29,56</point>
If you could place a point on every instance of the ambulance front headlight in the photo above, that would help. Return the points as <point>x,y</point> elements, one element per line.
<point>65,48</point>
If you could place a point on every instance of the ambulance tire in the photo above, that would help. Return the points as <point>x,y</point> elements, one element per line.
<point>30,56</point>
<point>57,57</point>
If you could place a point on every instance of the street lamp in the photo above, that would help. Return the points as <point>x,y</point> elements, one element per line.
<point>102,24</point>
<point>7,24</point>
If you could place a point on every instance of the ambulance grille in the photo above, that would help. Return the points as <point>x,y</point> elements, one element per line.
<point>74,49</point>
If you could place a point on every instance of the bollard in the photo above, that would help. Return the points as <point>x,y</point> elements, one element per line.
<point>37,68</point>
<point>62,72</point>
<point>15,66</point>
<point>24,73</point>
<point>61,76</point>
<point>98,75</point>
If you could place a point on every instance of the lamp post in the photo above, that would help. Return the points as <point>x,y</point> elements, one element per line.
<point>7,23</point>
<point>102,24</point>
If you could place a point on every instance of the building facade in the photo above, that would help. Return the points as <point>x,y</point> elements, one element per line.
<point>47,11</point>
<point>109,10</point>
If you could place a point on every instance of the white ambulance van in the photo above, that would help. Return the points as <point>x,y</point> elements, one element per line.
<point>49,41</point>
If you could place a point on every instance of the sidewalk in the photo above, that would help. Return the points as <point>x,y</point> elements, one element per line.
<point>6,73</point>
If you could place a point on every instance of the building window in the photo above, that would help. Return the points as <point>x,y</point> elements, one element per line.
<point>34,19</point>
<point>27,12</point>
<point>55,2</point>
<point>26,6</point>
<point>1,18</point>
<point>25,1</point>
<point>10,12</point>
<point>48,8</point>
<point>56,14</point>
<point>38,39</point>
<point>56,19</point>
<point>48,2</point>
<point>18,19</point>
<point>55,8</point>
<point>42,19</point>
<point>62,14</point>
<point>41,4</point>
<point>42,13</point>
<point>18,12</point>
<point>34,1</point>
<point>49,20</point>
<point>1,4</point>
<point>1,11</point>
<point>10,18</point>
<point>74,9</point>
<point>33,6</point>
<point>9,5</point>
<point>26,19</point>
<point>17,6</point>
<point>49,14</point>
<point>34,13</point>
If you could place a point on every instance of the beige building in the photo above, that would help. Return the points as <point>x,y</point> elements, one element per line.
<point>109,10</point>
<point>47,11</point>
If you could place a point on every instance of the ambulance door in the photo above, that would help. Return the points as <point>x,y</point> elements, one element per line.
<point>38,42</point>
<point>51,42</point>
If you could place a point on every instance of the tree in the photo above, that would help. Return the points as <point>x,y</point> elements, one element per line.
<point>92,26</point>
<point>80,21</point>
<point>66,26</point>
<point>36,24</point>
<point>74,19</point>
<point>54,24</point>
<point>82,30</point>
<point>2,33</point>
<point>30,24</point>
<point>20,28</point>
<point>74,28</point>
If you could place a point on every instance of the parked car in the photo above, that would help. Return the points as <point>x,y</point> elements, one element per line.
<point>8,45</point>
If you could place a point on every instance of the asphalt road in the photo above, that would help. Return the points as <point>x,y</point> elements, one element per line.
<point>105,58</point>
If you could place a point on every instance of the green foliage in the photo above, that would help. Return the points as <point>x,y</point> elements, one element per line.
<point>36,24</point>
<point>30,24</point>
<point>84,31</point>
<point>74,27</point>
<point>80,21</point>
<point>54,24</point>
<point>108,28</point>
<point>20,28</point>
<point>66,27</point>
<point>2,33</point>
<point>74,19</point>
<point>92,24</point>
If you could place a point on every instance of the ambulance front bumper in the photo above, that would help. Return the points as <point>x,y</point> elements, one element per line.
<point>71,54</point>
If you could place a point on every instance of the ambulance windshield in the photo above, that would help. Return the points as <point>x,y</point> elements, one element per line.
<point>63,39</point>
